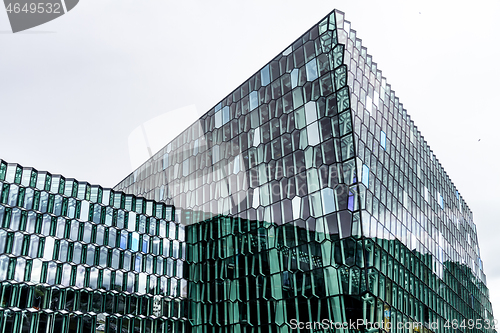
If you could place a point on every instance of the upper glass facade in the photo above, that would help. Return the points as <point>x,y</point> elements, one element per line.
<point>312,176</point>
<point>304,199</point>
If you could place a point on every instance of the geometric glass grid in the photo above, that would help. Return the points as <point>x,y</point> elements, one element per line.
<point>79,258</point>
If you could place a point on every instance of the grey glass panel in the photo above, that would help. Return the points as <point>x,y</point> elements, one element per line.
<point>265,76</point>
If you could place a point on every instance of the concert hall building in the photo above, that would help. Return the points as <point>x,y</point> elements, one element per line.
<point>305,196</point>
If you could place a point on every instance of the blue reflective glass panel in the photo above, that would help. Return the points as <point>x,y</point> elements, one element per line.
<point>225,115</point>
<point>382,139</point>
<point>295,77</point>
<point>254,101</point>
<point>311,70</point>
<point>350,203</point>
<point>264,76</point>
<point>135,242</point>
<point>365,177</point>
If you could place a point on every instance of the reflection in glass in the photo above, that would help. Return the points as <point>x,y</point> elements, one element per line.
<point>87,235</point>
<point>141,287</point>
<point>44,200</point>
<point>138,262</point>
<point>4,265</point>
<point>106,279</point>
<point>115,259</point>
<point>127,260</point>
<point>28,198</point>
<point>46,224</point>
<point>31,222</point>
<point>51,272</point>
<point>130,282</point>
<point>94,278</point>
<point>36,271</point>
<point>66,275</point>
<point>77,252</point>
<point>90,255</point>
<point>17,246</point>
<point>48,251</point>
<point>75,226</point>
<point>71,207</point>
<point>14,189</point>
<point>311,70</point>
<point>61,227</point>
<point>118,285</point>
<point>80,276</point>
<point>100,233</point>
<point>103,256</point>
<point>63,250</point>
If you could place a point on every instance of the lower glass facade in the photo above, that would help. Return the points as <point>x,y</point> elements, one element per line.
<point>80,258</point>
<point>247,275</point>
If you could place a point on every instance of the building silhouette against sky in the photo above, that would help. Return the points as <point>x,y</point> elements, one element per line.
<point>307,194</point>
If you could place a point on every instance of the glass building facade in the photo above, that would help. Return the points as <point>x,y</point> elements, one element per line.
<point>79,258</point>
<point>306,198</point>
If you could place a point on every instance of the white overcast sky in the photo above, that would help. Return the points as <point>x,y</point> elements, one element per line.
<point>72,90</point>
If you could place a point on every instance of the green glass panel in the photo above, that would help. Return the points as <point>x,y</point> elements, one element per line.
<point>19,175</point>
<point>3,170</point>
<point>48,182</point>
<point>33,178</point>
<point>5,193</point>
